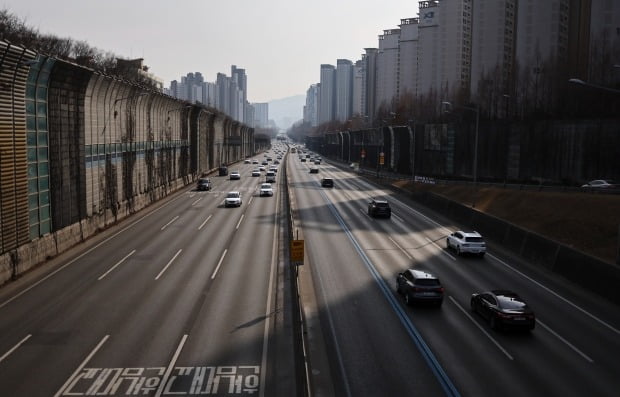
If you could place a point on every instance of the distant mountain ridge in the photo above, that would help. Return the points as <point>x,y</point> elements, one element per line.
<point>286,111</point>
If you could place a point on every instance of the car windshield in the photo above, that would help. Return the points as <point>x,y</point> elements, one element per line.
<point>511,302</point>
<point>383,205</point>
<point>265,186</point>
<point>233,195</point>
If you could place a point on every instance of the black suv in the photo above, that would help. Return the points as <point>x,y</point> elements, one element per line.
<point>327,182</point>
<point>203,184</point>
<point>419,286</point>
<point>379,208</point>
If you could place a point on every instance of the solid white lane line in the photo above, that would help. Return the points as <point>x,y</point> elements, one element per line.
<point>251,198</point>
<point>217,268</point>
<point>196,202</point>
<point>441,249</point>
<point>557,295</point>
<point>168,224</point>
<point>240,220</point>
<point>115,266</point>
<point>203,223</point>
<point>274,256</point>
<point>166,267</point>
<point>5,355</point>
<point>6,302</point>
<point>164,380</point>
<point>421,215</point>
<point>400,248</point>
<point>79,369</point>
<point>565,341</point>
<point>496,343</point>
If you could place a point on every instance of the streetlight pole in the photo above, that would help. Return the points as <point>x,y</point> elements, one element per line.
<point>476,146</point>
<point>412,150</point>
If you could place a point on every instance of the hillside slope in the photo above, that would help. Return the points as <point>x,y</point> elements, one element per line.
<point>585,221</point>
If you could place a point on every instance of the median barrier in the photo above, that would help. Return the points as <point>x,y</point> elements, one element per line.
<point>488,225</point>
<point>540,250</point>
<point>591,273</point>
<point>515,238</point>
<point>588,272</point>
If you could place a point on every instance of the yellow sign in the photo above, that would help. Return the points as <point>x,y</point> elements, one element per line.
<point>297,251</point>
<point>381,159</point>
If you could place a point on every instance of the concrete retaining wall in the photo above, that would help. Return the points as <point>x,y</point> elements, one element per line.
<point>588,272</point>
<point>16,262</point>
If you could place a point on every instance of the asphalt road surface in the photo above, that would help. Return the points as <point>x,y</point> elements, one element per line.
<point>180,299</point>
<point>185,298</point>
<point>380,346</point>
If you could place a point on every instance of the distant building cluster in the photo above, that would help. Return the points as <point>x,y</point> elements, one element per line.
<point>495,50</point>
<point>226,94</point>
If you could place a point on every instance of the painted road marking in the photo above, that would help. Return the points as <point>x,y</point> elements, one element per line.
<point>88,251</point>
<point>203,223</point>
<point>495,342</point>
<point>168,224</point>
<point>171,367</point>
<point>584,311</point>
<point>74,378</point>
<point>196,202</point>
<point>166,267</point>
<point>400,248</point>
<point>5,355</point>
<point>219,264</point>
<point>179,380</point>
<point>240,220</point>
<point>117,264</point>
<point>582,354</point>
<point>441,249</point>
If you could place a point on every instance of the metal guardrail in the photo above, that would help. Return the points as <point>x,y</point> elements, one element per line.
<point>382,174</point>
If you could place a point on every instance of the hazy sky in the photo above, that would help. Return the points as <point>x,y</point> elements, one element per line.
<point>280,43</point>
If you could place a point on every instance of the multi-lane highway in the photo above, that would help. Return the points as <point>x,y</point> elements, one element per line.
<point>379,346</point>
<point>178,300</point>
<point>186,298</point>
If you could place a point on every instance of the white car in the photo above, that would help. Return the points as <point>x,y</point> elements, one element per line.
<point>266,189</point>
<point>466,243</point>
<point>256,172</point>
<point>233,199</point>
<point>235,175</point>
<point>599,184</point>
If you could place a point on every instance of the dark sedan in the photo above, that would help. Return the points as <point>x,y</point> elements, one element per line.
<point>379,208</point>
<point>203,184</point>
<point>503,309</point>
